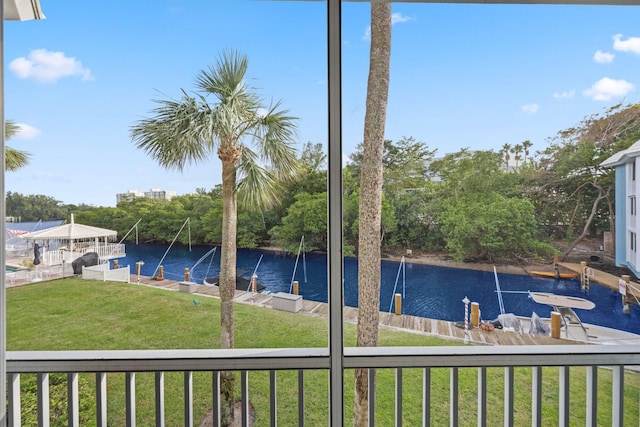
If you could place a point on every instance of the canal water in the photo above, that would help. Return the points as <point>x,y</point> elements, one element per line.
<point>429,291</point>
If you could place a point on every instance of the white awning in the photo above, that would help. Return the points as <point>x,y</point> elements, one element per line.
<point>22,10</point>
<point>70,231</point>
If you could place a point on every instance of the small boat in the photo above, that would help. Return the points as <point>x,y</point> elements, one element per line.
<point>553,274</point>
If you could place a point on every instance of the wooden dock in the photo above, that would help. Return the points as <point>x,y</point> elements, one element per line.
<point>414,324</point>
<point>604,279</point>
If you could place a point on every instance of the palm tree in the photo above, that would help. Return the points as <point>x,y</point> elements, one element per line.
<point>526,145</point>
<point>255,146</point>
<point>505,151</point>
<point>14,159</point>
<point>370,210</point>
<point>517,149</point>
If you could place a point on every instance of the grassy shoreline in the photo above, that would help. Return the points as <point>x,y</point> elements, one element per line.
<point>76,314</point>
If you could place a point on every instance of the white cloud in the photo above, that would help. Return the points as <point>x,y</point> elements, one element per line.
<point>632,44</point>
<point>606,89</point>
<point>45,66</point>
<point>530,108</point>
<point>46,175</point>
<point>367,34</point>
<point>396,18</point>
<point>564,95</point>
<point>603,57</point>
<point>26,132</point>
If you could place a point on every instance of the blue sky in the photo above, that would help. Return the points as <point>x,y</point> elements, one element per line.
<point>462,76</point>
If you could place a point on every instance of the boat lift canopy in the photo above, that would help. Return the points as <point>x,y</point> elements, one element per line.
<point>561,300</point>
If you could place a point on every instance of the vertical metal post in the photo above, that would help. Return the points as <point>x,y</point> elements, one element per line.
<point>335,258</point>
<point>244,396</point>
<point>592,396</point>
<point>563,396</point>
<point>15,413</point>
<point>372,396</point>
<point>159,394</point>
<point>217,410</point>
<point>482,397</point>
<point>273,408</point>
<point>73,406</point>
<point>508,396</point>
<point>536,396</point>
<point>453,397</point>
<point>426,397</point>
<point>398,397</point>
<point>301,397</point>
<point>3,290</point>
<point>44,413</point>
<point>130,396</point>
<point>188,399</point>
<point>617,397</point>
<point>101,399</point>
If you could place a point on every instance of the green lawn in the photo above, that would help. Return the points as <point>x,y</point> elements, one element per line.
<point>75,314</point>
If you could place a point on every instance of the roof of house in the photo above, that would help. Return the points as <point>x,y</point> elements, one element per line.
<point>622,157</point>
<point>70,231</point>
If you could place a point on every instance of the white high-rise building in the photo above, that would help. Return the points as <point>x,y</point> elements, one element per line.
<point>154,193</point>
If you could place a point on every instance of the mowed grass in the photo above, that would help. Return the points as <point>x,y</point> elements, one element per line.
<point>76,314</point>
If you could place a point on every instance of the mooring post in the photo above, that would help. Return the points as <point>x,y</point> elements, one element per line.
<point>475,314</point>
<point>555,324</point>
<point>624,291</point>
<point>398,304</point>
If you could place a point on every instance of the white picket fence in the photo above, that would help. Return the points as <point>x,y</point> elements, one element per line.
<point>103,273</point>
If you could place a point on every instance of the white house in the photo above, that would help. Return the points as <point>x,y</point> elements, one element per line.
<point>627,220</point>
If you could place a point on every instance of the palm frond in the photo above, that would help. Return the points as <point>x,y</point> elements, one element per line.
<point>10,129</point>
<point>275,135</point>
<point>257,187</point>
<point>15,159</point>
<point>226,79</point>
<point>178,133</point>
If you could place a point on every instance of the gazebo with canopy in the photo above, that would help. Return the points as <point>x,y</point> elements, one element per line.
<point>67,242</point>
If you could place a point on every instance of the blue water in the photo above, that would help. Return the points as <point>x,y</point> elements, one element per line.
<point>429,291</point>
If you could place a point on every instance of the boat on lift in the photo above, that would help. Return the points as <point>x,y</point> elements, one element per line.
<point>572,326</point>
<point>570,323</point>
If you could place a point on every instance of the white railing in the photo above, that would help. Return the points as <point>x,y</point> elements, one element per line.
<point>610,362</point>
<point>105,252</point>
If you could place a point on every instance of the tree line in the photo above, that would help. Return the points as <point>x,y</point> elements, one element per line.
<point>471,204</point>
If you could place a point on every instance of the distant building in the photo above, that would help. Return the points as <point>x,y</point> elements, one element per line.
<point>627,221</point>
<point>154,193</point>
<point>128,196</point>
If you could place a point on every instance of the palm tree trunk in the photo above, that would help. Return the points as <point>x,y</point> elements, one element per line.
<point>371,198</point>
<point>227,285</point>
